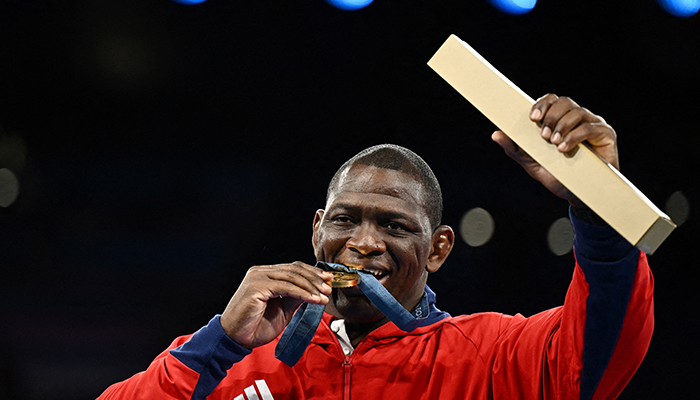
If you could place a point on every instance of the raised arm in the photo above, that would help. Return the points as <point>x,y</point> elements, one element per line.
<point>590,347</point>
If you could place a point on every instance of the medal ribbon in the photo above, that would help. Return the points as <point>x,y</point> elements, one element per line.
<point>301,329</point>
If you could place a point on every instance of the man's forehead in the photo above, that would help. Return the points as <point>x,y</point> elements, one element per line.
<point>371,179</point>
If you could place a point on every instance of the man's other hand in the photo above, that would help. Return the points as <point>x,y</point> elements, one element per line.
<point>565,124</point>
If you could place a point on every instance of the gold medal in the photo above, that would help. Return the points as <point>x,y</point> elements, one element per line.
<point>344,279</point>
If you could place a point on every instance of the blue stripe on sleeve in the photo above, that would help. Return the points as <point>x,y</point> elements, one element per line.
<point>211,353</point>
<point>609,264</point>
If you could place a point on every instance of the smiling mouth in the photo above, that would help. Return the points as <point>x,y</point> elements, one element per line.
<point>377,273</point>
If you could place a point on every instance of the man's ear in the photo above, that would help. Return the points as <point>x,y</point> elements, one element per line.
<point>440,247</point>
<point>317,224</point>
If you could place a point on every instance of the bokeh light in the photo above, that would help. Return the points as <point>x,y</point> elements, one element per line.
<point>678,208</point>
<point>349,4</point>
<point>680,8</point>
<point>560,237</point>
<point>189,1</point>
<point>516,7</point>
<point>9,187</point>
<point>477,227</point>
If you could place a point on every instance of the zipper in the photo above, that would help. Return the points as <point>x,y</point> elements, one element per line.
<point>346,377</point>
<point>347,363</point>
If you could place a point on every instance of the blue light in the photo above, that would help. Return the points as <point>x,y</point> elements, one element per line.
<point>680,8</point>
<point>349,4</point>
<point>189,2</point>
<point>514,6</point>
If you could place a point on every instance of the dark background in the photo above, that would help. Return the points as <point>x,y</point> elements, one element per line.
<point>163,149</point>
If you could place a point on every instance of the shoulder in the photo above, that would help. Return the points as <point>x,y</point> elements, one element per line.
<point>488,327</point>
<point>484,324</point>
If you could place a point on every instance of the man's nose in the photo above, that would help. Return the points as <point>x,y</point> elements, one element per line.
<point>366,240</point>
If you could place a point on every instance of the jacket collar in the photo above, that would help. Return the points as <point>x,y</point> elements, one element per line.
<point>389,330</point>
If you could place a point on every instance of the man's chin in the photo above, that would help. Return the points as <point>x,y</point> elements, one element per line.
<point>350,292</point>
<point>354,306</point>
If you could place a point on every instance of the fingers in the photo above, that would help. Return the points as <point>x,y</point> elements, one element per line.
<point>565,124</point>
<point>267,297</point>
<point>542,106</point>
<point>557,115</point>
<point>598,134</point>
<point>297,280</point>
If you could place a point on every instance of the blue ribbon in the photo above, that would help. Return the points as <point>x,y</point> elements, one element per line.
<point>301,329</point>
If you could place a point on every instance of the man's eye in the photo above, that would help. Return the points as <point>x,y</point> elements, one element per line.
<point>395,226</point>
<point>343,219</point>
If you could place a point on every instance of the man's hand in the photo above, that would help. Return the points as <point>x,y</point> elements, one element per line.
<point>564,124</point>
<point>265,301</point>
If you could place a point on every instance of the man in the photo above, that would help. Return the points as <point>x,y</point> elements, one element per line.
<point>382,215</point>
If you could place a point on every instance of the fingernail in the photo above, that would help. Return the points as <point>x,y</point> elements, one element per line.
<point>562,146</point>
<point>556,138</point>
<point>546,132</point>
<point>535,114</point>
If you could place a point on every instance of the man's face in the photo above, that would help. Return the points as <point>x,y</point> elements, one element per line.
<point>375,220</point>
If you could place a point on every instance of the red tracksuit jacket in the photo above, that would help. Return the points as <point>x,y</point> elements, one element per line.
<point>587,349</point>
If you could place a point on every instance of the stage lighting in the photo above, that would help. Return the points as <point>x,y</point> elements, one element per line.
<point>188,2</point>
<point>560,237</point>
<point>349,4</point>
<point>9,187</point>
<point>680,8</point>
<point>514,6</point>
<point>476,227</point>
<point>678,208</point>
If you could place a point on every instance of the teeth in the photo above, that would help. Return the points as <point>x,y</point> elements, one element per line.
<point>378,274</point>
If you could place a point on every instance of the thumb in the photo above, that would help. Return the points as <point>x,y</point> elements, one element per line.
<point>503,140</point>
<point>513,150</point>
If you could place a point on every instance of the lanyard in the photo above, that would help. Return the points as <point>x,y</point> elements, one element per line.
<point>301,329</point>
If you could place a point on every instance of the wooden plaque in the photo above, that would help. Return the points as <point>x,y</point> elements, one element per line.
<point>595,182</point>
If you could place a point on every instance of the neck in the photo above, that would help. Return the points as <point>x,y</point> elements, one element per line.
<point>359,326</point>
<point>358,331</point>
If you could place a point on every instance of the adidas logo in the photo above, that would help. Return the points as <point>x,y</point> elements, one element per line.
<point>250,393</point>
